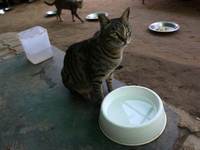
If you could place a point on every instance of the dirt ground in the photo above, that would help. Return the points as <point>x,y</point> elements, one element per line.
<point>168,63</point>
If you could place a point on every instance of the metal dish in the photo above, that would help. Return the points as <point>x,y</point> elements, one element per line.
<point>94,16</point>
<point>50,13</point>
<point>2,12</point>
<point>8,8</point>
<point>164,26</point>
<point>30,1</point>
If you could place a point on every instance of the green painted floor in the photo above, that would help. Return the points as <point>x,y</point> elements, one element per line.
<point>38,112</point>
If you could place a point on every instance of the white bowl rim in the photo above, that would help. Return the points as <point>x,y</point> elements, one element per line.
<point>136,144</point>
<point>161,108</point>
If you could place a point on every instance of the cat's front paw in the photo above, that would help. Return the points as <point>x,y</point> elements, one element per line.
<point>110,89</point>
<point>86,96</point>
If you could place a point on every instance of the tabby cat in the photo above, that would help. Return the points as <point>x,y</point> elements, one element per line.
<point>67,4</point>
<point>88,63</point>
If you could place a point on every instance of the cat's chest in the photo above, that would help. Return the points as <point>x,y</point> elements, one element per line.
<point>105,67</point>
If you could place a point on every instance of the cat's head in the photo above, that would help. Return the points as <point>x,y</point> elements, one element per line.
<point>116,32</point>
<point>79,4</point>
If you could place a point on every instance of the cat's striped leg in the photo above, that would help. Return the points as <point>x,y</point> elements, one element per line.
<point>73,17</point>
<point>109,82</point>
<point>98,90</point>
<point>58,14</point>
<point>77,16</point>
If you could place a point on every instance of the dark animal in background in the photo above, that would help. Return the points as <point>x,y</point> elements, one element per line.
<point>67,4</point>
<point>88,63</point>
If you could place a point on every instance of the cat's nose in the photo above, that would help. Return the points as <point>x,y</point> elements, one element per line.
<point>125,41</point>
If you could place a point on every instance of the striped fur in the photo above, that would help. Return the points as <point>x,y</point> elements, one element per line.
<point>88,63</point>
<point>67,4</point>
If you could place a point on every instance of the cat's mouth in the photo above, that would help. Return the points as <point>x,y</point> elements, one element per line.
<point>122,44</point>
<point>125,42</point>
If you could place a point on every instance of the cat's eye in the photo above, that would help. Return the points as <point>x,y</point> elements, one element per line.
<point>128,31</point>
<point>114,34</point>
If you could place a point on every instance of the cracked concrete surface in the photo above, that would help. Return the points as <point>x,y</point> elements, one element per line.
<point>9,45</point>
<point>189,128</point>
<point>189,131</point>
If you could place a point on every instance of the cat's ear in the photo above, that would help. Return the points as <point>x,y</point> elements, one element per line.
<point>125,15</point>
<point>104,21</point>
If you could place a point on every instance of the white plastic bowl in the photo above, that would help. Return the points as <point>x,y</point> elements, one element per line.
<point>132,115</point>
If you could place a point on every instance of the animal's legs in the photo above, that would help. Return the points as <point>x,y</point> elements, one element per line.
<point>58,14</point>
<point>109,82</point>
<point>98,90</point>
<point>77,16</point>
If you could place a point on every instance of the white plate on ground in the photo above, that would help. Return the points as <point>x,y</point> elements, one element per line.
<point>164,26</point>
<point>50,13</point>
<point>94,16</point>
<point>2,12</point>
<point>8,8</point>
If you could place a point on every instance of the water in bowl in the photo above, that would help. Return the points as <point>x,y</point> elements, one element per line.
<point>131,112</point>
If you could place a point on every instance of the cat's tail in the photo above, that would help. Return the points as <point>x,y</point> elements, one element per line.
<point>50,4</point>
<point>119,67</point>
